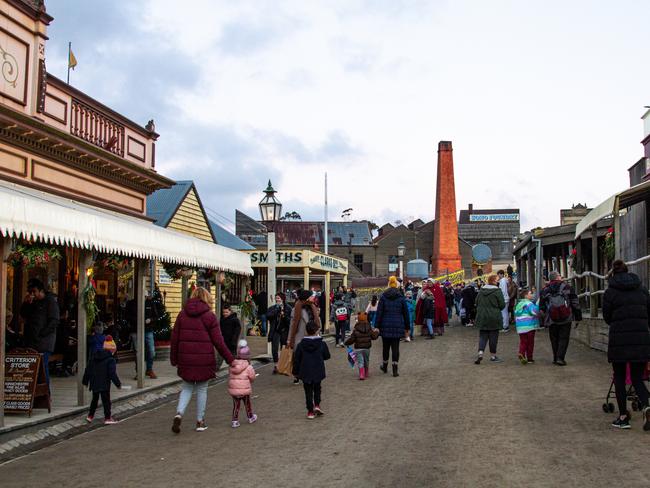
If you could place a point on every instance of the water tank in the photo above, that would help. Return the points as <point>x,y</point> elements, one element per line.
<point>481,253</point>
<point>417,269</point>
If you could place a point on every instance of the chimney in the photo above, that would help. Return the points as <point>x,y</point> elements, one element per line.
<point>470,207</point>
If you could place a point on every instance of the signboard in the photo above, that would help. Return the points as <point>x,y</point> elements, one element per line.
<point>21,377</point>
<point>283,259</point>
<point>300,259</point>
<point>494,218</point>
<point>328,263</point>
<point>163,277</point>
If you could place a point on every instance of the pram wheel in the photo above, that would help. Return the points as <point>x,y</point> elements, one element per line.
<point>635,406</point>
<point>610,407</point>
<point>605,408</point>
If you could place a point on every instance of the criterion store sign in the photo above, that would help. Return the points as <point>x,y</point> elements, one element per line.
<point>21,375</point>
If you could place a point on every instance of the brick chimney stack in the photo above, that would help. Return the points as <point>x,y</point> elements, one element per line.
<point>446,255</point>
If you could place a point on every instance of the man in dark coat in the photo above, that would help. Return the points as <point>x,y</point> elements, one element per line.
<point>468,295</point>
<point>558,303</point>
<point>262,304</point>
<point>40,311</point>
<point>230,328</point>
<point>626,309</point>
<point>393,322</point>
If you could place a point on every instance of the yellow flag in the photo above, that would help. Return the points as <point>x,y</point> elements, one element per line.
<point>72,61</point>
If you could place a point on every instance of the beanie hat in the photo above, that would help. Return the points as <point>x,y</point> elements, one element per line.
<point>392,282</point>
<point>109,344</point>
<point>243,351</point>
<point>362,317</point>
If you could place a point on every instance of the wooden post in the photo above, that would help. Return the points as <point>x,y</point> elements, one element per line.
<point>217,300</point>
<point>328,286</point>
<point>85,262</point>
<point>593,301</point>
<point>141,266</point>
<point>345,280</point>
<point>578,266</point>
<point>184,282</point>
<point>306,277</point>
<point>242,298</point>
<point>5,247</point>
<point>617,233</point>
<point>530,269</point>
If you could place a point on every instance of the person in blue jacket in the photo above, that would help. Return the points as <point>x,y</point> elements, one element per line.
<point>393,322</point>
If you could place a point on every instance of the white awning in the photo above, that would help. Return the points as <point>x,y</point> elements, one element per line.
<point>35,214</point>
<point>624,199</point>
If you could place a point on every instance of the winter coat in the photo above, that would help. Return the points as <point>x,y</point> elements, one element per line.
<point>230,330</point>
<point>410,304</point>
<point>526,316</point>
<point>440,305</point>
<point>100,371</point>
<point>194,337</point>
<point>361,337</point>
<point>241,376</point>
<point>279,323</point>
<point>302,313</point>
<point>626,308</point>
<point>309,360</point>
<point>261,303</point>
<point>469,297</point>
<point>392,317</point>
<point>552,288</point>
<point>41,321</point>
<point>489,304</point>
<point>449,297</point>
<point>428,306</point>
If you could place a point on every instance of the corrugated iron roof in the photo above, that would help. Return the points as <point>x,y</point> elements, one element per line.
<point>163,204</point>
<point>228,239</point>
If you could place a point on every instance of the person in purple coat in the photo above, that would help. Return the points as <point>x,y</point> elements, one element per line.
<point>195,335</point>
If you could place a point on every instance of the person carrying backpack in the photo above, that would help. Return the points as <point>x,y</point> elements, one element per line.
<point>560,306</point>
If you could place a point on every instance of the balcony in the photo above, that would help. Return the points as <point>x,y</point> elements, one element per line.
<point>97,128</point>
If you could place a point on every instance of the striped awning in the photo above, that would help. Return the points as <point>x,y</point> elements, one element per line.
<point>38,215</point>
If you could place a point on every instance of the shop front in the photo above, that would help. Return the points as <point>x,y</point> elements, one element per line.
<point>300,269</point>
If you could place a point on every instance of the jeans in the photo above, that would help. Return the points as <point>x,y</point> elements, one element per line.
<point>449,313</point>
<point>149,349</point>
<point>278,339</point>
<point>390,345</point>
<point>527,344</point>
<point>636,375</point>
<point>312,395</point>
<point>363,358</point>
<point>46,365</point>
<point>371,318</point>
<point>262,318</point>
<point>236,403</point>
<point>430,326</point>
<point>106,403</point>
<point>457,306</point>
<point>559,335</point>
<point>187,389</point>
<point>340,331</point>
<point>412,328</point>
<point>485,336</point>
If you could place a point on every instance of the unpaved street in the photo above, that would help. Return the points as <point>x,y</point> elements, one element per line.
<point>443,422</point>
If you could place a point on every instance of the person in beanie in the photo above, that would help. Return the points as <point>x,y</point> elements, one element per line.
<point>489,319</point>
<point>194,338</point>
<point>309,366</point>
<point>361,338</point>
<point>527,322</point>
<point>303,312</point>
<point>393,321</point>
<point>100,372</point>
<point>240,386</point>
<point>626,306</point>
<point>340,315</point>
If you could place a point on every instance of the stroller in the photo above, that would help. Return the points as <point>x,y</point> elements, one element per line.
<point>608,407</point>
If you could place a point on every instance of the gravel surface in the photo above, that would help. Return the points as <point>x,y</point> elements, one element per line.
<point>443,422</point>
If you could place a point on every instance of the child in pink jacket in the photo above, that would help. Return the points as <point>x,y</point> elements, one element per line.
<point>242,375</point>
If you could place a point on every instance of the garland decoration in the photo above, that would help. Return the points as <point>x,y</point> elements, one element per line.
<point>33,255</point>
<point>88,296</point>
<point>176,271</point>
<point>112,262</point>
<point>609,245</point>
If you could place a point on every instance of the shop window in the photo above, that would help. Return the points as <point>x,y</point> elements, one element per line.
<point>358,260</point>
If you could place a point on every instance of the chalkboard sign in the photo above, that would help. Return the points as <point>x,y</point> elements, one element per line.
<point>23,374</point>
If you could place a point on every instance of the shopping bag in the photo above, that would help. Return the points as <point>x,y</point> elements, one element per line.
<point>352,356</point>
<point>285,362</point>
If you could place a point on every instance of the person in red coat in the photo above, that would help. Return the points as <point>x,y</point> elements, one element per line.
<point>441,318</point>
<point>194,337</point>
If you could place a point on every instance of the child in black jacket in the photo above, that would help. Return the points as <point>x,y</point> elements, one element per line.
<point>100,372</point>
<point>309,366</point>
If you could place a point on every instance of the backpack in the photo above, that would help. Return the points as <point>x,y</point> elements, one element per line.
<point>341,313</point>
<point>558,307</point>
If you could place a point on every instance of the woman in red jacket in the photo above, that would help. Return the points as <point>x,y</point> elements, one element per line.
<point>195,335</point>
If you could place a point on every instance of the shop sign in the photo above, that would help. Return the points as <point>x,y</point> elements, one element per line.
<point>21,376</point>
<point>163,277</point>
<point>328,263</point>
<point>282,258</point>
<point>494,218</point>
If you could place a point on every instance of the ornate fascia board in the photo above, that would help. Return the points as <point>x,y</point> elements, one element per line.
<point>33,136</point>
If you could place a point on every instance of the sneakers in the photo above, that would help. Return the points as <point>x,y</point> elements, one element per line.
<point>176,425</point>
<point>252,419</point>
<point>505,331</point>
<point>200,426</point>
<point>522,359</point>
<point>429,337</point>
<point>496,359</point>
<point>110,421</point>
<point>531,361</point>
<point>296,381</point>
<point>408,339</point>
<point>318,411</point>
<point>560,362</point>
<point>151,374</point>
<point>90,418</point>
<point>479,358</point>
<point>235,424</point>
<point>620,423</point>
<point>311,415</point>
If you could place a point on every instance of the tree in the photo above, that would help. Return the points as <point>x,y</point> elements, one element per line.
<point>291,216</point>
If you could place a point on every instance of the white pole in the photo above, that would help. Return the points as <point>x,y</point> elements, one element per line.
<point>271,274</point>
<point>326,238</point>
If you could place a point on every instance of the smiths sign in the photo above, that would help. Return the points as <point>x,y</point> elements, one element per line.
<point>282,258</point>
<point>494,218</point>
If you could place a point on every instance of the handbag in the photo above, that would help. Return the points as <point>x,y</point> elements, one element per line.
<point>285,362</point>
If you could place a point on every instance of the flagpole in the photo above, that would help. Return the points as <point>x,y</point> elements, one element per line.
<point>69,51</point>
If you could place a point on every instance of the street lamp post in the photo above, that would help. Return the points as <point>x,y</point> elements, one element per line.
<point>270,210</point>
<point>401,251</point>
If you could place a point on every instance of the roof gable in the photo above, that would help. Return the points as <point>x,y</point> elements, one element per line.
<point>163,204</point>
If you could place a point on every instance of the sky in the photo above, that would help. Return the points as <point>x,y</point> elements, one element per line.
<point>541,100</point>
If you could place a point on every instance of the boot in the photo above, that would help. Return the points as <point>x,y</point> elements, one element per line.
<point>395,373</point>
<point>384,366</point>
<point>362,374</point>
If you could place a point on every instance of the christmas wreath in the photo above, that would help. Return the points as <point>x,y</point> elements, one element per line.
<point>33,255</point>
